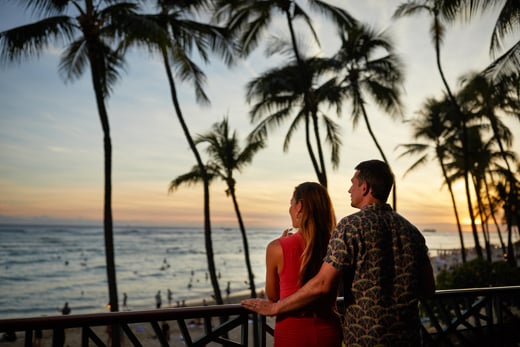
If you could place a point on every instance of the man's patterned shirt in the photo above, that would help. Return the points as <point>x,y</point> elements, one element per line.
<point>381,255</point>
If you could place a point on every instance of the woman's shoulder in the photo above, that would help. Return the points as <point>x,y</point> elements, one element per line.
<point>274,245</point>
<point>294,242</point>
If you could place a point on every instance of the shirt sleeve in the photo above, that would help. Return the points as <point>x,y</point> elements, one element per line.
<point>340,250</point>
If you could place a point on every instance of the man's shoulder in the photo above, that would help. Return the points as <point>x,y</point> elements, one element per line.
<point>350,217</point>
<point>352,221</point>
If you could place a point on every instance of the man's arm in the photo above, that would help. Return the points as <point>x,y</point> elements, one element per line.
<point>325,281</point>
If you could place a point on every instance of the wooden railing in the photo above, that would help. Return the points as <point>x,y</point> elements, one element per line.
<point>468,317</point>
<point>472,317</point>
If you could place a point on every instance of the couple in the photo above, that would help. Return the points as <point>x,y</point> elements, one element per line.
<point>380,256</point>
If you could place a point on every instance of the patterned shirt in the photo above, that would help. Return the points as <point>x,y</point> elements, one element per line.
<point>381,255</point>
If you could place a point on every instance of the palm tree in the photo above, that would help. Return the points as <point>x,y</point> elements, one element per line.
<point>485,157</point>
<point>440,10</point>
<point>249,19</point>
<point>177,19</point>
<point>506,24</point>
<point>482,158</point>
<point>489,100</point>
<point>277,96</point>
<point>88,28</point>
<point>433,127</point>
<point>368,73</point>
<point>226,156</point>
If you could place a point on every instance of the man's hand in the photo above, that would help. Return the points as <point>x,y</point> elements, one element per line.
<point>287,232</point>
<point>261,306</point>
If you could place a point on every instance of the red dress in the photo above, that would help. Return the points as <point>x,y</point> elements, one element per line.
<point>307,327</point>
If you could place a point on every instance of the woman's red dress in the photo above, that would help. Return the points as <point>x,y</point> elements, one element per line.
<point>304,328</point>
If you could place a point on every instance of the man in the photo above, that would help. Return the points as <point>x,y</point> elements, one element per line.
<point>385,266</point>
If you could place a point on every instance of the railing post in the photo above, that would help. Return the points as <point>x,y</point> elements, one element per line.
<point>263,326</point>
<point>256,329</point>
<point>497,305</point>
<point>28,338</point>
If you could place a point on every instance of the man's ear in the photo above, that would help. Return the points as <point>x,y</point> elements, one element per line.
<point>366,188</point>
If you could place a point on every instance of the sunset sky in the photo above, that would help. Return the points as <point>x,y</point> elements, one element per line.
<point>51,142</point>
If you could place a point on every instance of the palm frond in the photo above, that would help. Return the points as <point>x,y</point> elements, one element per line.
<point>30,40</point>
<point>190,178</point>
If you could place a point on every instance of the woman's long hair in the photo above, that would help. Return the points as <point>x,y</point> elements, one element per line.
<point>317,223</point>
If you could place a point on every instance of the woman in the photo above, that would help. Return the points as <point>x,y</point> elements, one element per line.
<point>293,259</point>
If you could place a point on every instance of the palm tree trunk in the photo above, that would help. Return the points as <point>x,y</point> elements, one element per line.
<point>321,178</point>
<point>107,214</point>
<point>369,127</point>
<point>256,333</point>
<point>457,219</point>
<point>464,140</point>
<point>483,223</point>
<point>512,202</point>
<point>320,149</point>
<point>202,168</point>
<point>244,242</point>
<point>510,180</point>
<point>319,168</point>
<point>492,212</point>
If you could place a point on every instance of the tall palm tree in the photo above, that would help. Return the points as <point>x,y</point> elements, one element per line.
<point>490,101</point>
<point>483,157</point>
<point>441,10</point>
<point>277,96</point>
<point>226,157</point>
<point>88,28</point>
<point>370,69</point>
<point>249,19</point>
<point>433,127</point>
<point>178,20</point>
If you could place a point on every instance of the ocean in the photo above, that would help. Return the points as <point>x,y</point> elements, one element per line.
<point>45,266</point>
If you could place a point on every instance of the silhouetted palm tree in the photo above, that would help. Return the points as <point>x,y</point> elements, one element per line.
<point>442,10</point>
<point>370,69</point>
<point>88,29</point>
<point>178,19</point>
<point>483,156</point>
<point>433,127</point>
<point>277,96</point>
<point>489,101</point>
<point>250,19</point>
<point>226,157</point>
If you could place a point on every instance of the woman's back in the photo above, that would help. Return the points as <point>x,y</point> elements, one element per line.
<point>312,327</point>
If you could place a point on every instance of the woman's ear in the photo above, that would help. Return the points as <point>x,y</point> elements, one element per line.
<point>299,206</point>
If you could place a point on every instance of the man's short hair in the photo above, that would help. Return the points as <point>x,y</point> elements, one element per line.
<point>378,176</point>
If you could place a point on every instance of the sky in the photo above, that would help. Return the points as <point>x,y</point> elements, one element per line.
<point>51,141</point>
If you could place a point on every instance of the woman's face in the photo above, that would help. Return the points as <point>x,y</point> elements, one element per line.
<point>294,210</point>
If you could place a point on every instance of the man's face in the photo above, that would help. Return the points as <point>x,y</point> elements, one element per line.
<point>356,191</point>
